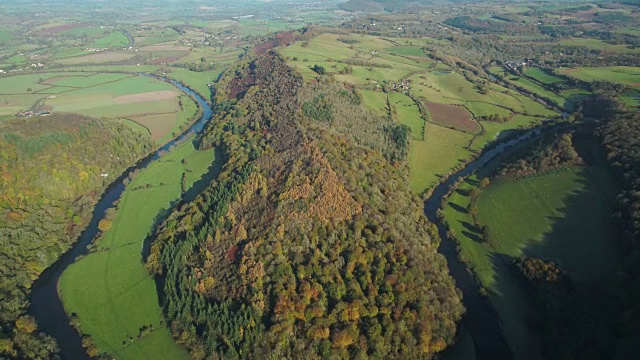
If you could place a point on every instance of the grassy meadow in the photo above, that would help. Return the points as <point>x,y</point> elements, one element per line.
<point>158,106</point>
<point>596,44</point>
<point>441,150</point>
<point>563,215</point>
<point>110,289</point>
<point>627,75</point>
<point>529,85</point>
<point>407,113</point>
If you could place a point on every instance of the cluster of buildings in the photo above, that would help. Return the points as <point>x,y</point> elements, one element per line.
<point>404,85</point>
<point>30,113</point>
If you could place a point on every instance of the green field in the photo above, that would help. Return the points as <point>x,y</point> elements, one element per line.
<point>542,76</point>
<point>328,51</point>
<point>407,113</point>
<point>375,101</point>
<point>529,85</point>
<point>110,290</point>
<point>441,150</point>
<point>198,81</point>
<point>628,75</point>
<point>452,88</point>
<point>434,150</point>
<point>151,103</point>
<point>496,131</point>
<point>564,215</point>
<point>406,50</point>
<point>596,44</point>
<point>115,39</point>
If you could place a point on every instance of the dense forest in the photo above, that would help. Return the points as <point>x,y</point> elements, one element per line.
<point>552,152</point>
<point>309,244</point>
<point>50,178</point>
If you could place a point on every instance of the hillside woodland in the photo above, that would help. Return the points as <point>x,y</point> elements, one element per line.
<point>309,244</point>
<point>552,152</point>
<point>50,179</point>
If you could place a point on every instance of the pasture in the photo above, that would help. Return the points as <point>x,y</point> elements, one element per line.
<point>529,85</point>
<point>451,88</point>
<point>627,75</point>
<point>154,104</point>
<point>596,44</point>
<point>542,75</point>
<point>114,39</point>
<point>375,101</point>
<point>406,111</point>
<point>110,290</point>
<point>96,58</point>
<point>371,62</point>
<point>563,215</point>
<point>441,150</point>
<point>406,50</point>
<point>369,65</point>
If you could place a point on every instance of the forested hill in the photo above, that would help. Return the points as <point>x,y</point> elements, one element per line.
<point>309,244</point>
<point>50,178</point>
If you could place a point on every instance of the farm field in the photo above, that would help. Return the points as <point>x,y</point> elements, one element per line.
<point>375,101</point>
<point>441,150</point>
<point>628,75</point>
<point>407,113</point>
<point>115,39</point>
<point>451,100</point>
<point>95,58</point>
<point>110,290</point>
<point>563,215</point>
<point>452,116</point>
<point>448,87</point>
<point>496,131</point>
<point>154,104</point>
<point>406,50</point>
<point>596,44</point>
<point>529,85</point>
<point>334,55</point>
<point>542,75</point>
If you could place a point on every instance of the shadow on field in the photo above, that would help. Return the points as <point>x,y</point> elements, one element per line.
<point>472,236</point>
<point>212,173</point>
<point>580,237</point>
<point>517,314</point>
<point>579,240</point>
<point>458,208</point>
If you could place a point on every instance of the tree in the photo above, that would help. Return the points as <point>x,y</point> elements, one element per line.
<point>104,225</point>
<point>318,69</point>
<point>486,234</point>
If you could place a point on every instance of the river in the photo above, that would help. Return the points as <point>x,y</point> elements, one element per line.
<point>480,318</point>
<point>46,305</point>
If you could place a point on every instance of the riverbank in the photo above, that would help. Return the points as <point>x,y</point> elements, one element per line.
<point>561,215</point>
<point>110,290</point>
<point>46,305</point>
<point>480,319</point>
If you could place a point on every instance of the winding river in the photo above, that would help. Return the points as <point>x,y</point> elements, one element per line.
<point>480,318</point>
<point>46,305</point>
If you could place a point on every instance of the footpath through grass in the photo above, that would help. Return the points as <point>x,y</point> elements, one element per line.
<point>563,215</point>
<point>110,290</point>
